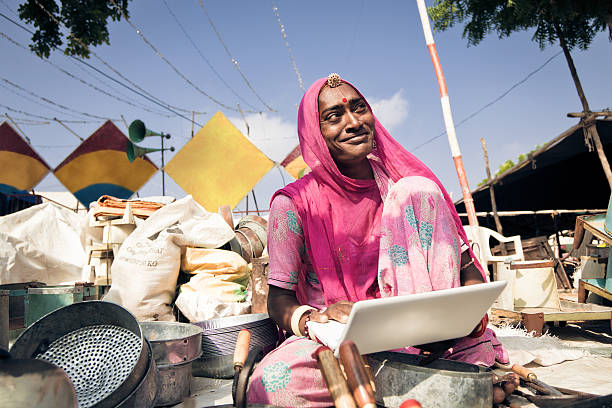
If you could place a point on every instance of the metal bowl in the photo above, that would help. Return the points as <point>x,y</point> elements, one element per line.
<point>98,344</point>
<point>173,343</point>
<point>219,340</point>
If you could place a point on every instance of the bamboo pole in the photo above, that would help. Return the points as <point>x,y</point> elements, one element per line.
<point>588,121</point>
<point>448,121</point>
<point>68,129</point>
<point>18,128</point>
<point>492,193</point>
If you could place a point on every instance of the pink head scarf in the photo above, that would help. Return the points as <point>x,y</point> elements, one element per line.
<point>325,197</point>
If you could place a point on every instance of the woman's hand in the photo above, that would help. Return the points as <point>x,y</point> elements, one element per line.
<point>338,311</point>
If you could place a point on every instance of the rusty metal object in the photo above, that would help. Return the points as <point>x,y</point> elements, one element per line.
<point>254,241</point>
<point>259,285</point>
<point>226,213</point>
<point>533,322</point>
<point>245,246</point>
<point>258,224</point>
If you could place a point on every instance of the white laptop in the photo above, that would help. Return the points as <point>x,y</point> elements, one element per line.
<point>389,323</point>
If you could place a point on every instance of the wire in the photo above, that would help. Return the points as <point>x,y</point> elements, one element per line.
<point>8,7</point>
<point>203,57</point>
<point>284,34</point>
<point>234,61</point>
<point>159,54</point>
<point>79,79</point>
<point>143,93</point>
<point>52,102</point>
<point>148,96</point>
<point>492,102</point>
<point>38,103</point>
<point>45,117</point>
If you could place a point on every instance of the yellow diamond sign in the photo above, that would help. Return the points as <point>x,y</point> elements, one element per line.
<point>219,165</point>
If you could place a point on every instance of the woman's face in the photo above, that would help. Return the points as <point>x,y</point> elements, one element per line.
<point>346,123</point>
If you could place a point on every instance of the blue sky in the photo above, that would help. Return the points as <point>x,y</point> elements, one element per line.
<point>378,46</point>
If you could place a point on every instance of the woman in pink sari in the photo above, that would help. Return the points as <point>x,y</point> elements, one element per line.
<point>370,220</point>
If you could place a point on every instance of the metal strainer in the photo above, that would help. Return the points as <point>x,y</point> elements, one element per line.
<point>98,344</point>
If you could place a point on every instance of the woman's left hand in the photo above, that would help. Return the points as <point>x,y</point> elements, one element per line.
<point>339,311</point>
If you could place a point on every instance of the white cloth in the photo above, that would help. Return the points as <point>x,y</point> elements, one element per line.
<point>41,243</point>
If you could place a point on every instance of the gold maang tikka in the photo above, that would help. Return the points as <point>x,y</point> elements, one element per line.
<point>334,80</point>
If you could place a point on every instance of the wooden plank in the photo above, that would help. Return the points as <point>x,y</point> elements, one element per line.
<point>569,311</point>
<point>597,290</point>
<point>595,225</point>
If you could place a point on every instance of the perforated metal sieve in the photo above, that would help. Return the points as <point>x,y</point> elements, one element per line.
<point>96,358</point>
<point>98,344</point>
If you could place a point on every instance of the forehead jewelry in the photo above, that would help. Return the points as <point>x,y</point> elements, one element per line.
<point>344,100</point>
<point>334,80</point>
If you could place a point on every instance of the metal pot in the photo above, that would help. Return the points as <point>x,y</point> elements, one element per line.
<point>175,346</point>
<point>442,383</point>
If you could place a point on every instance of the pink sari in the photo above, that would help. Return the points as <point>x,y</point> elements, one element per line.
<point>397,234</point>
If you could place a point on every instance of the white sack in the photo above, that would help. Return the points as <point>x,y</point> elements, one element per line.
<point>41,243</point>
<point>199,306</point>
<point>145,271</point>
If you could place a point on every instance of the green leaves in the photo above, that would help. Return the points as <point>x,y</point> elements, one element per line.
<point>578,20</point>
<point>83,23</point>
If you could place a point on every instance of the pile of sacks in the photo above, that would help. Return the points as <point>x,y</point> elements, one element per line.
<point>146,269</point>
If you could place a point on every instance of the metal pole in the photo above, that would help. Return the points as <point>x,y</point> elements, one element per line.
<point>162,166</point>
<point>255,200</point>
<point>448,120</point>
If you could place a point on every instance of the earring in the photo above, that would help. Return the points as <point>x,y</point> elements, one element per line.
<point>374,144</point>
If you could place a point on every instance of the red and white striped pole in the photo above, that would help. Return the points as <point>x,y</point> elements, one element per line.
<point>448,117</point>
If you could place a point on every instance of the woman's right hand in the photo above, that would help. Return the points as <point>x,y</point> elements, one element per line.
<point>339,311</point>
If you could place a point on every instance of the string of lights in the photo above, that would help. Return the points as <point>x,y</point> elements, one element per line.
<point>212,68</point>
<point>167,61</point>
<point>49,101</point>
<point>139,91</point>
<point>140,106</point>
<point>124,98</point>
<point>284,34</point>
<point>149,97</point>
<point>32,115</point>
<point>234,61</point>
<point>13,91</point>
<point>494,101</point>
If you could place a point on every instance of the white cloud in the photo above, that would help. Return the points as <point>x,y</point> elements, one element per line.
<point>392,111</point>
<point>271,133</point>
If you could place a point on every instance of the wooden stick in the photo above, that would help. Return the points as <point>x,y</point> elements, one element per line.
<point>356,375</point>
<point>334,379</point>
<point>585,114</point>
<point>491,188</point>
<point>242,348</point>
